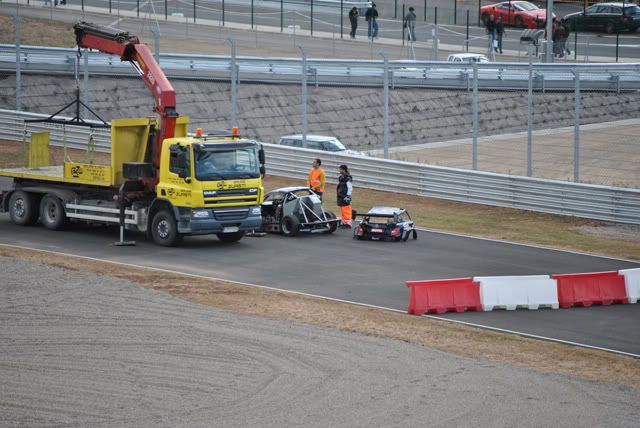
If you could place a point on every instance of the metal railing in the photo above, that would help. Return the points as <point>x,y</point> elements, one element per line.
<point>548,196</point>
<point>403,73</point>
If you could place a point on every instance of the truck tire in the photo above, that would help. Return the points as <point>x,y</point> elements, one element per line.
<point>52,214</point>
<point>289,225</point>
<point>164,230</point>
<point>230,237</point>
<point>23,208</point>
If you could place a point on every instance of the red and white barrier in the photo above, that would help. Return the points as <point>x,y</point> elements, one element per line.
<point>632,283</point>
<point>511,292</point>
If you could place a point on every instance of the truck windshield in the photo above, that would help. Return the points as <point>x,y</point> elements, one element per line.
<point>226,163</point>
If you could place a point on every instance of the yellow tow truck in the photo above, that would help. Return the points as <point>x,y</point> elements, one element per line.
<point>160,180</point>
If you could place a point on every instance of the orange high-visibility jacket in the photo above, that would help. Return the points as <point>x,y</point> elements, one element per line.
<point>316,179</point>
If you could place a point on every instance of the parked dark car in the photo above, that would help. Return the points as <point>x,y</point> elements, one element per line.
<point>385,224</point>
<point>607,17</point>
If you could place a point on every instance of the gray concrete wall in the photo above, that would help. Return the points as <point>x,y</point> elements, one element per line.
<point>352,114</point>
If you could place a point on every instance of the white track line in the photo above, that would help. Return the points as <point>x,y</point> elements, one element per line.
<point>300,293</point>
<point>535,336</point>
<point>541,247</point>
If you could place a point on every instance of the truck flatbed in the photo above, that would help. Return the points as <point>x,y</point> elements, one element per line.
<point>69,173</point>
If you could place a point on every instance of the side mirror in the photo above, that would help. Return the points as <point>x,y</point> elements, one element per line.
<point>261,157</point>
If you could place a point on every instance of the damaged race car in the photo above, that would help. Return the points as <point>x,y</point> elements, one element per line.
<point>385,224</point>
<point>290,210</point>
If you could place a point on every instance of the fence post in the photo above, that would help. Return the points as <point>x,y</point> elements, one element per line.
<point>617,43</point>
<point>395,9</point>
<point>479,6</point>
<point>223,13</point>
<point>252,14</point>
<point>194,11</point>
<point>425,10</point>
<point>386,106</point>
<point>530,113</point>
<point>576,139</point>
<point>85,82</point>
<point>467,39</point>
<point>403,15</point>
<point>341,18</point>
<point>304,96</point>
<point>549,26</point>
<point>436,35</point>
<point>474,132</point>
<point>18,70</point>
<point>234,87</point>
<point>166,7</point>
<point>311,18</point>
<point>109,6</point>
<point>455,12</point>
<point>82,4</point>
<point>281,16</point>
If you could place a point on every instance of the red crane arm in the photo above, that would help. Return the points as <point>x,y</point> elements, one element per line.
<point>129,48</point>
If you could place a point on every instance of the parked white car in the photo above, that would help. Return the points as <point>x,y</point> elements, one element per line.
<point>467,57</point>
<point>318,142</point>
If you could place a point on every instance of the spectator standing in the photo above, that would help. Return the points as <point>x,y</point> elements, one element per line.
<point>372,20</point>
<point>567,33</point>
<point>410,24</point>
<point>559,41</point>
<point>344,191</point>
<point>499,33</point>
<point>316,179</point>
<point>490,26</point>
<point>353,18</point>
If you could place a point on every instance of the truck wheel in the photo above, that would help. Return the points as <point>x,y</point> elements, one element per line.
<point>23,208</point>
<point>289,226</point>
<point>332,226</point>
<point>230,237</point>
<point>52,215</point>
<point>164,230</point>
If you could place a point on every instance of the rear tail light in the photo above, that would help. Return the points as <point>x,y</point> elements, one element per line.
<point>395,231</point>
<point>359,231</point>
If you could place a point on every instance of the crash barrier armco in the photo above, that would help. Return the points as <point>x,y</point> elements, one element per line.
<point>632,283</point>
<point>511,292</point>
<point>446,295</point>
<point>586,289</point>
<point>502,190</point>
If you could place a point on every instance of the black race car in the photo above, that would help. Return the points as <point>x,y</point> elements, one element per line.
<point>385,224</point>
<point>290,210</point>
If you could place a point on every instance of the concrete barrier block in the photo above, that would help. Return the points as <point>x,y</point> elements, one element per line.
<point>511,292</point>
<point>632,283</point>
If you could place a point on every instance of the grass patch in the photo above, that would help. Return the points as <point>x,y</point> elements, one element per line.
<point>38,32</point>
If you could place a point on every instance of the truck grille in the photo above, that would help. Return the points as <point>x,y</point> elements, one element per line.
<point>244,201</point>
<point>231,215</point>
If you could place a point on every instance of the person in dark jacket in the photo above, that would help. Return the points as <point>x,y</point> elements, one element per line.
<point>344,191</point>
<point>353,18</point>
<point>372,19</point>
<point>499,33</point>
<point>490,26</point>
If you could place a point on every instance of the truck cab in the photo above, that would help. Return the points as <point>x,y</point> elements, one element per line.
<point>211,185</point>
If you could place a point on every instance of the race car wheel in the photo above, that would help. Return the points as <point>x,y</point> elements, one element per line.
<point>519,22</point>
<point>332,226</point>
<point>289,226</point>
<point>405,237</point>
<point>415,234</point>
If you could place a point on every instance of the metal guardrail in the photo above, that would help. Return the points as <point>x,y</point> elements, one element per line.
<point>534,194</point>
<point>403,73</point>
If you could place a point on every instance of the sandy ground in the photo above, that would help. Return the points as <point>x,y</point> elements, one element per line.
<point>78,349</point>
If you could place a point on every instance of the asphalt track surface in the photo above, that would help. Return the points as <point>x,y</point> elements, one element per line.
<point>373,273</point>
<point>82,350</point>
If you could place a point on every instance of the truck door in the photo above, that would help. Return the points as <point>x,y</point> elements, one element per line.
<point>177,187</point>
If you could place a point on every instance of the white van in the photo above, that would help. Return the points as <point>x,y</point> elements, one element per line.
<point>314,142</point>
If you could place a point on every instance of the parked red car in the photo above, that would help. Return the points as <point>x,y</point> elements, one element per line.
<point>517,13</point>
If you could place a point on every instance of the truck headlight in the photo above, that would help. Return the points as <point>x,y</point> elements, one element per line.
<point>200,214</point>
<point>256,211</point>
